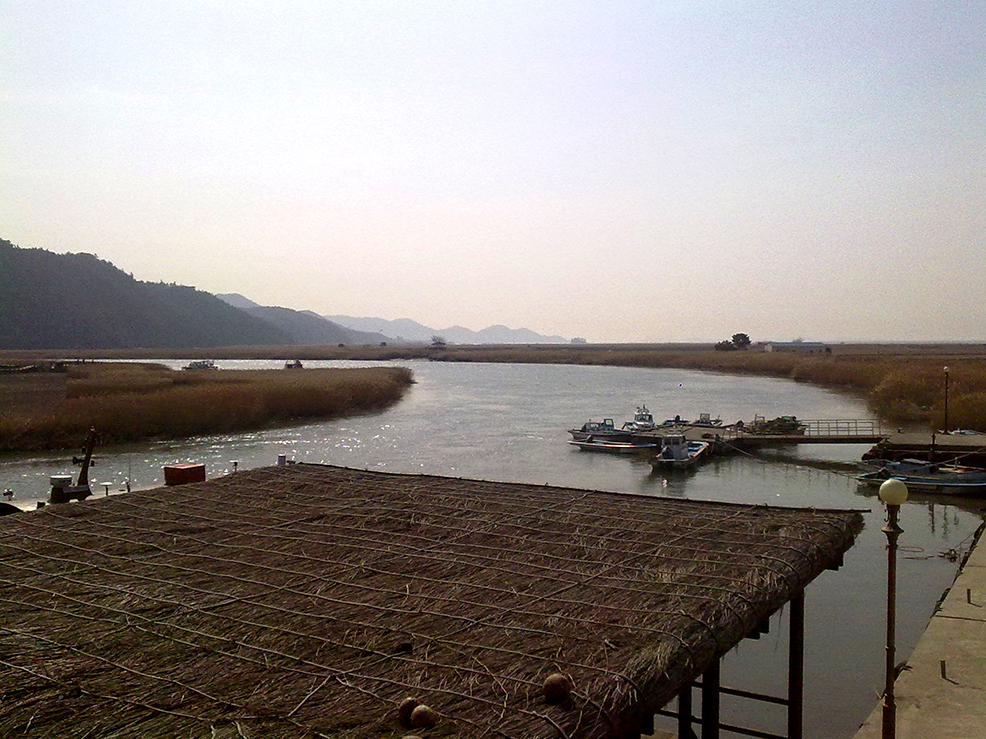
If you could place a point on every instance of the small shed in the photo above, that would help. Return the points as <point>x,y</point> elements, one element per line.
<point>307,600</point>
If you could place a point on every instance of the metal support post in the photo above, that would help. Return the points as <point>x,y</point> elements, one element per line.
<point>710,702</point>
<point>796,669</point>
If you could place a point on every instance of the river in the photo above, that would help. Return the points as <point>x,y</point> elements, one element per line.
<point>508,422</point>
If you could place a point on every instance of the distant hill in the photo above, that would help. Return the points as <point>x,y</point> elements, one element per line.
<point>408,330</point>
<point>237,301</point>
<point>304,327</point>
<point>78,301</point>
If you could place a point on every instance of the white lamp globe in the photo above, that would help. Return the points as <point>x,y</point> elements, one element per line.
<point>893,492</point>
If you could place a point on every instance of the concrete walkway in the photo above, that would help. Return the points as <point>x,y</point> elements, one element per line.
<point>942,692</point>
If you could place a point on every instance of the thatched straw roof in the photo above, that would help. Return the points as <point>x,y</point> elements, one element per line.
<point>309,601</point>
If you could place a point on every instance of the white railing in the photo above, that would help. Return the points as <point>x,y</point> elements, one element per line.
<point>844,427</point>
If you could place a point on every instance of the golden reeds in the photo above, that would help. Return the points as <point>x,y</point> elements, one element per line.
<point>133,402</point>
<point>901,383</point>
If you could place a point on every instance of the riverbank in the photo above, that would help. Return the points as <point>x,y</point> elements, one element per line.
<point>901,383</point>
<point>128,402</point>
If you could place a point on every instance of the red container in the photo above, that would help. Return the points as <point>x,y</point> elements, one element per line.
<point>179,474</point>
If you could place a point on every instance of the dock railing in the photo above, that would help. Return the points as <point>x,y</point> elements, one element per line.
<point>845,427</point>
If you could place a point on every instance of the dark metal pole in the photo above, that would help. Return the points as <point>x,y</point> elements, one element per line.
<point>892,530</point>
<point>796,669</point>
<point>710,701</point>
<point>946,400</point>
<point>685,713</point>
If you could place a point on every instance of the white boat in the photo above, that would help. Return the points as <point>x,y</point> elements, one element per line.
<point>614,446</point>
<point>600,429</point>
<point>643,420</point>
<point>678,452</point>
<point>949,479</point>
<point>201,364</point>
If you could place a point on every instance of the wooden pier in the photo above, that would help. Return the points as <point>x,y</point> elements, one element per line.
<point>823,431</point>
<point>963,448</point>
<point>729,439</point>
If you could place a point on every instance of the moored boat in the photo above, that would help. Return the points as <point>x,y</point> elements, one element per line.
<point>615,446</point>
<point>600,429</point>
<point>643,420</point>
<point>949,479</point>
<point>706,420</point>
<point>678,452</point>
<point>201,364</point>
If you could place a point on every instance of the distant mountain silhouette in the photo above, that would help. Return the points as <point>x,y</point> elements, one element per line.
<point>237,301</point>
<point>78,301</point>
<point>407,330</point>
<point>304,327</point>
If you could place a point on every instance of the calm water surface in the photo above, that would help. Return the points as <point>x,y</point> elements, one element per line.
<point>508,423</point>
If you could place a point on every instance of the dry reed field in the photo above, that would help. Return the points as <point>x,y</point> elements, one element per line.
<point>901,383</point>
<point>134,402</point>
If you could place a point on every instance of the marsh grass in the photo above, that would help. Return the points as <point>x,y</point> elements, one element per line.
<point>135,402</point>
<point>901,383</point>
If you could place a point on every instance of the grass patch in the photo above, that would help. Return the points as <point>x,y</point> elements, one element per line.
<point>137,402</point>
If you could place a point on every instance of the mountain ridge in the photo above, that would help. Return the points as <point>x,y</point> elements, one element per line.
<point>305,327</point>
<point>79,301</point>
<point>409,330</point>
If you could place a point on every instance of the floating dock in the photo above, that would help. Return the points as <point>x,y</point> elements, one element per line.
<point>967,449</point>
<point>732,439</point>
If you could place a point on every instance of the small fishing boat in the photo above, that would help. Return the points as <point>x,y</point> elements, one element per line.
<point>918,475</point>
<point>706,420</point>
<point>678,452</point>
<point>643,420</point>
<point>600,429</point>
<point>615,446</point>
<point>201,364</point>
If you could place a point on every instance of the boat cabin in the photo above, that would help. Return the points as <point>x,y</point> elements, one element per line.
<point>674,447</point>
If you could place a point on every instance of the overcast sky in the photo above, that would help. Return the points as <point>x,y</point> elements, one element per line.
<point>620,171</point>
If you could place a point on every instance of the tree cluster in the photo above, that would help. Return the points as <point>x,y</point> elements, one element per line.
<point>739,342</point>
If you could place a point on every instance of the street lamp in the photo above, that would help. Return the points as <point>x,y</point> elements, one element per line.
<point>893,492</point>
<point>946,400</point>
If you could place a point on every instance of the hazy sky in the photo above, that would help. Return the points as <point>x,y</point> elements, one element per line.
<point>622,171</point>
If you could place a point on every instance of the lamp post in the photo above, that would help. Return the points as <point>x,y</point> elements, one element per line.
<point>946,400</point>
<point>892,492</point>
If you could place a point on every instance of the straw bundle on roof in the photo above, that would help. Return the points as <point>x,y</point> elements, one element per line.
<point>311,601</point>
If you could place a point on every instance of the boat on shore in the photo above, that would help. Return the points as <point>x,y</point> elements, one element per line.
<point>678,452</point>
<point>918,475</point>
